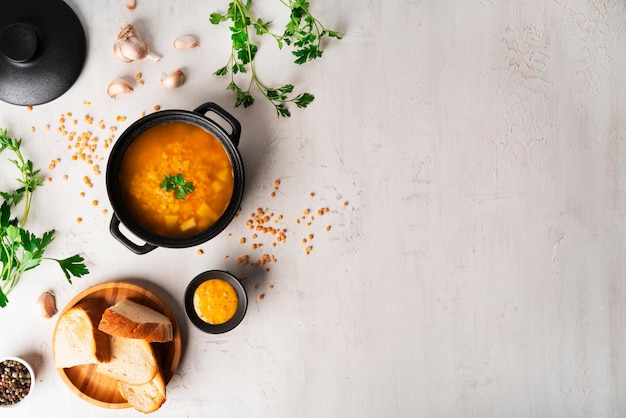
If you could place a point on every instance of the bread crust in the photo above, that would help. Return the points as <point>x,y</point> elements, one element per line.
<point>117,324</point>
<point>145,398</point>
<point>94,309</point>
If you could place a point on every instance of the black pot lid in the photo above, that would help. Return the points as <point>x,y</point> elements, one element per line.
<point>42,50</point>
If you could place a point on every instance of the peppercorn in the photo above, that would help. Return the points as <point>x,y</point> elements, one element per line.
<point>15,382</point>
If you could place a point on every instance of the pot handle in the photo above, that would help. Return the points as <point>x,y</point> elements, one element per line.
<point>234,123</point>
<point>114,228</point>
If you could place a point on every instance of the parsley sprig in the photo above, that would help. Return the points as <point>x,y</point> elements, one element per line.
<point>20,249</point>
<point>303,32</point>
<point>178,185</point>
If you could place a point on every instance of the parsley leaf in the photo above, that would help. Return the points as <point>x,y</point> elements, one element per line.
<point>178,185</point>
<point>20,249</point>
<point>303,32</point>
<point>73,266</point>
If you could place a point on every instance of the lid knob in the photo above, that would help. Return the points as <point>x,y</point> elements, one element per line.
<point>18,42</point>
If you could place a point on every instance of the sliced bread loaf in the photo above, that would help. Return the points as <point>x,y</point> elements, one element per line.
<point>77,338</point>
<point>132,361</point>
<point>129,319</point>
<point>145,398</point>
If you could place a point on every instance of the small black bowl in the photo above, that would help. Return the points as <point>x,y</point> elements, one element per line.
<point>242,305</point>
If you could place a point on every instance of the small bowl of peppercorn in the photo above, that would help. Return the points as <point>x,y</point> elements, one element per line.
<point>16,381</point>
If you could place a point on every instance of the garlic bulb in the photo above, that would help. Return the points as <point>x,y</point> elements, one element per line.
<point>47,304</point>
<point>173,80</point>
<point>130,46</point>
<point>186,42</point>
<point>117,87</point>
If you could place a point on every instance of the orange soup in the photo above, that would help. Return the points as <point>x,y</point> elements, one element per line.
<point>176,179</point>
<point>215,301</point>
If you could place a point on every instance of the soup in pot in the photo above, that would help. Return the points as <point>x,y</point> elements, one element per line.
<point>176,179</point>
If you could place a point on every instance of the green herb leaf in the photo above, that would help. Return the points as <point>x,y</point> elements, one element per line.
<point>303,31</point>
<point>221,71</point>
<point>178,185</point>
<point>304,100</point>
<point>217,18</point>
<point>262,27</point>
<point>73,266</point>
<point>20,249</point>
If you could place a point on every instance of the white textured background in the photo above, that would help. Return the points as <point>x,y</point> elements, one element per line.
<point>478,270</point>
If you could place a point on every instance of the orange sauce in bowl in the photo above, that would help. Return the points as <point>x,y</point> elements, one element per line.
<point>173,148</point>
<point>215,301</point>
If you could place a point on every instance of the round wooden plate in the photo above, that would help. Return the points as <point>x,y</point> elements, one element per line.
<point>101,390</point>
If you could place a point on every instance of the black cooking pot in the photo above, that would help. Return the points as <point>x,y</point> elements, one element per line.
<point>201,118</point>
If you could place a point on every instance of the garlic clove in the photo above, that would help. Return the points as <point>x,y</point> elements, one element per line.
<point>119,86</point>
<point>130,46</point>
<point>47,304</point>
<point>133,48</point>
<point>186,42</point>
<point>173,80</point>
<point>131,4</point>
<point>118,54</point>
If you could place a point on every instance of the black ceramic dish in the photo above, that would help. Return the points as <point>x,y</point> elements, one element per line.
<point>42,50</point>
<point>121,215</point>
<point>241,307</point>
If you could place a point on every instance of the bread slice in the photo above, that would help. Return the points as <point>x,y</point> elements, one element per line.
<point>77,339</point>
<point>132,361</point>
<point>129,319</point>
<point>145,398</point>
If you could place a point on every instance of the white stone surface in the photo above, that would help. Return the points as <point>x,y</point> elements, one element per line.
<point>478,270</point>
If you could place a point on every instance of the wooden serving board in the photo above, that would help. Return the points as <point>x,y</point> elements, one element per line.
<point>101,390</point>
